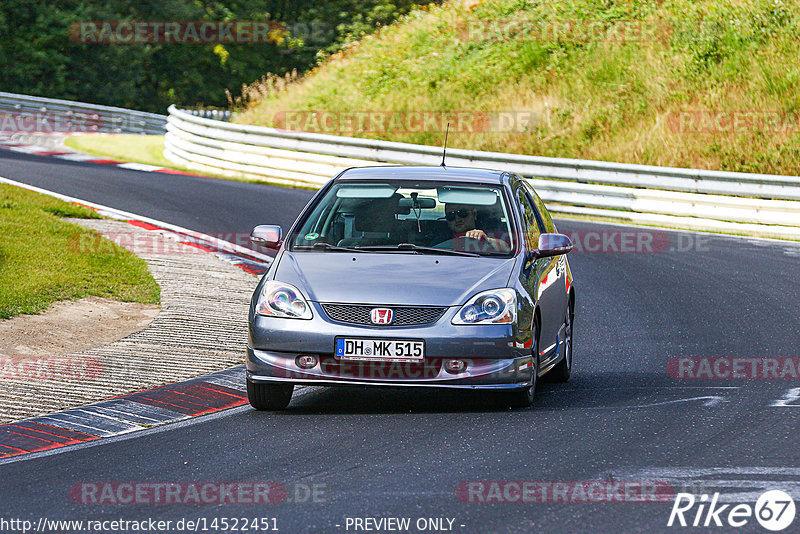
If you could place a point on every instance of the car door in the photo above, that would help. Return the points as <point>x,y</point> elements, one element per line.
<point>538,276</point>
<point>559,297</point>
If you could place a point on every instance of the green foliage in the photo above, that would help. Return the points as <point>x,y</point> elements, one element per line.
<point>40,58</point>
<point>606,79</point>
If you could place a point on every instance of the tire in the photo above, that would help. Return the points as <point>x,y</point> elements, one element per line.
<point>562,371</point>
<point>523,398</point>
<point>269,396</point>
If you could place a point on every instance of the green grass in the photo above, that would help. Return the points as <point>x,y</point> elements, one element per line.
<point>123,147</point>
<point>41,261</point>
<point>147,149</point>
<point>603,99</point>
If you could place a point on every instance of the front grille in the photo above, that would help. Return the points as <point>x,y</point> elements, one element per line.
<point>403,315</point>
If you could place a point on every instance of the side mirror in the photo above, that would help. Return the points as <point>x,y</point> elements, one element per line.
<point>267,235</point>
<point>552,245</point>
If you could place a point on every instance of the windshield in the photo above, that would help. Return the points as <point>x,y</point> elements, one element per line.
<point>410,217</point>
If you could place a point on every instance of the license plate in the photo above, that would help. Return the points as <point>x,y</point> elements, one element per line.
<point>393,350</point>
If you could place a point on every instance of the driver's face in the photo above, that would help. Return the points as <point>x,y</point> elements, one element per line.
<point>460,218</point>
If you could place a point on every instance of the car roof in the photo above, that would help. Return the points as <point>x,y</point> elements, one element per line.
<point>423,173</point>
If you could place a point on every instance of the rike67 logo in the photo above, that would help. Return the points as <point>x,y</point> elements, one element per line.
<point>774,510</point>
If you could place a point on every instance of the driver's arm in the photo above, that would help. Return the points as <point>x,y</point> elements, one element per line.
<point>497,244</point>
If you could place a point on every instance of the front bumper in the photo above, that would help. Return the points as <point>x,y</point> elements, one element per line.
<point>496,355</point>
<point>266,366</point>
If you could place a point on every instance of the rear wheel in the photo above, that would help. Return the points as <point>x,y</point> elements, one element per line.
<point>562,371</point>
<point>269,396</point>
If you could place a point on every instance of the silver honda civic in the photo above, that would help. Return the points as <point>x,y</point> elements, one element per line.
<point>403,276</point>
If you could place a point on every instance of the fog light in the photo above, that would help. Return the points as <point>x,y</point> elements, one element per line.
<point>455,366</point>
<point>306,361</point>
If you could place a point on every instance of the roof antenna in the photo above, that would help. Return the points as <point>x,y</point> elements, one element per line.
<point>444,149</point>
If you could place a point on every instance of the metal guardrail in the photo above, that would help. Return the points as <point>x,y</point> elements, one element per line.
<point>749,204</point>
<point>216,114</point>
<point>33,114</point>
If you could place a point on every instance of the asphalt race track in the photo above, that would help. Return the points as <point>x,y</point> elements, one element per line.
<point>203,205</point>
<point>626,417</point>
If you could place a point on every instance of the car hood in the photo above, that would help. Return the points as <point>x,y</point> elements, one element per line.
<point>410,279</point>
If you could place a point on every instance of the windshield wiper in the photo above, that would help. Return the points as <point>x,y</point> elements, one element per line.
<point>419,248</point>
<point>327,246</point>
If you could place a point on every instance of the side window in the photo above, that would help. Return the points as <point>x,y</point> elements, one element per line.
<point>530,219</point>
<point>549,226</point>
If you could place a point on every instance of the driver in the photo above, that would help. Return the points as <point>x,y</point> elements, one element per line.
<point>461,221</point>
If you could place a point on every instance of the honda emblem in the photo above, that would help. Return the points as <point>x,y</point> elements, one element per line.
<point>381,315</point>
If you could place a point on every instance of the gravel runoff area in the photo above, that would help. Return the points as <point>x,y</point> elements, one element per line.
<point>202,327</point>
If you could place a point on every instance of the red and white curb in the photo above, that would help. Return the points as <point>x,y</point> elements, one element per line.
<point>124,414</point>
<point>140,410</point>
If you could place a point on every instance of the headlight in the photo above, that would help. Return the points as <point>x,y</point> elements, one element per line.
<point>278,299</point>
<point>498,306</point>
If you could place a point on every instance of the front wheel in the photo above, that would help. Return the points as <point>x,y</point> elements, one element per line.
<point>269,396</point>
<point>522,398</point>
